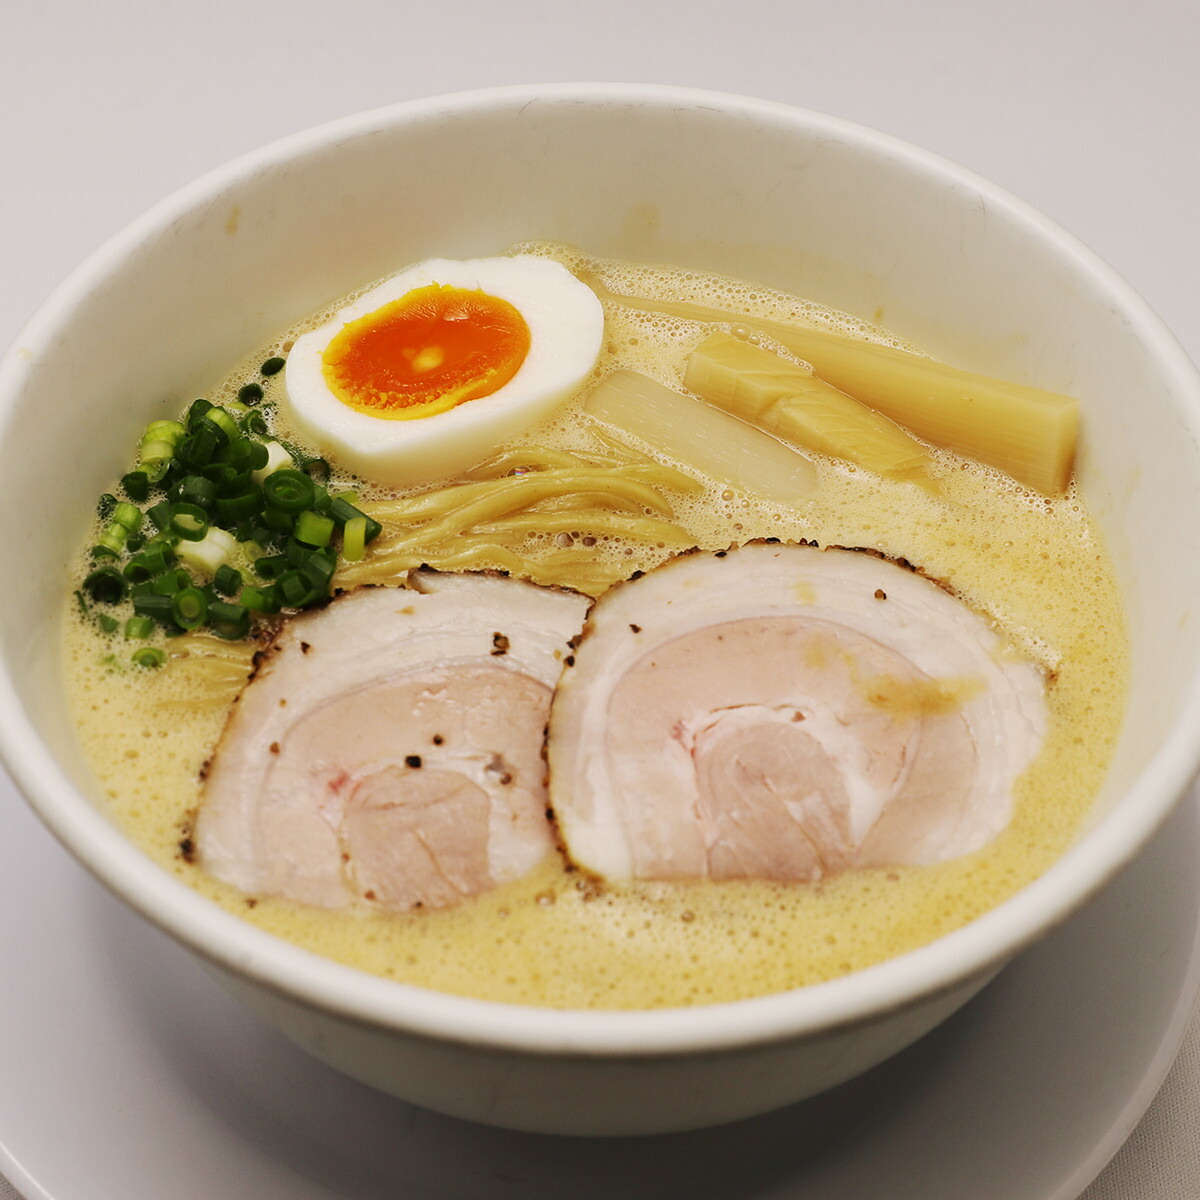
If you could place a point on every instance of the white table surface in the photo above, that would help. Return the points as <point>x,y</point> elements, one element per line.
<point>1088,109</point>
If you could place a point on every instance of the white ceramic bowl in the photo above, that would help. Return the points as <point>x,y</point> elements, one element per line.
<point>785,197</point>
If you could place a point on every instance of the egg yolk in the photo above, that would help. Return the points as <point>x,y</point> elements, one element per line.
<point>432,349</point>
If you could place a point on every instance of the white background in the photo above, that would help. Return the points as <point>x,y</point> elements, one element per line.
<point>1088,109</point>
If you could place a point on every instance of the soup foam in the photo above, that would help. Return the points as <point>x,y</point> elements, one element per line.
<point>557,938</point>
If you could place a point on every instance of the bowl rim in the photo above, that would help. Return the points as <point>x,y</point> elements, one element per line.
<point>235,946</point>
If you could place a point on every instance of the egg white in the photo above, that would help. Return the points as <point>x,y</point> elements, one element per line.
<point>566,329</point>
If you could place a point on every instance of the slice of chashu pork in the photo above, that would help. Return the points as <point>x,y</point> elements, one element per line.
<point>388,750</point>
<point>784,712</point>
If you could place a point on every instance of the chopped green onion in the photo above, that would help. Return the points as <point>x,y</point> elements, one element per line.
<point>229,621</point>
<point>230,510</point>
<point>175,470</point>
<point>128,515</point>
<point>254,424</point>
<point>150,657</point>
<point>158,446</point>
<point>196,412</point>
<point>160,515</point>
<point>210,552</point>
<point>354,539</point>
<point>289,490</point>
<point>152,605</point>
<point>189,521</point>
<point>107,624</point>
<point>277,459</point>
<point>317,469</point>
<point>223,421</point>
<point>189,608</point>
<point>199,447</point>
<point>229,489</point>
<point>153,560</point>
<point>139,628</point>
<point>256,539</point>
<point>321,499</point>
<point>136,485</point>
<point>313,529</point>
<point>195,489</point>
<point>319,568</point>
<point>126,520</point>
<point>341,510</point>
<point>263,600</point>
<point>225,477</point>
<point>227,580</point>
<point>270,566</point>
<point>244,454</point>
<point>296,591</point>
<point>169,582</point>
<point>277,521</point>
<point>296,552</point>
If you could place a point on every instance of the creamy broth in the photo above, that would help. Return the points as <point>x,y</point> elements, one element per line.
<point>1035,565</point>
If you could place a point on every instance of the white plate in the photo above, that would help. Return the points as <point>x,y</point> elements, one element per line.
<point>125,1071</point>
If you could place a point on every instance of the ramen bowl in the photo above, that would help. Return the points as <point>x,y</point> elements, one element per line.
<point>788,198</point>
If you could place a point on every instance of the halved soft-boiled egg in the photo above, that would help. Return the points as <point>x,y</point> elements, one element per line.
<point>427,373</point>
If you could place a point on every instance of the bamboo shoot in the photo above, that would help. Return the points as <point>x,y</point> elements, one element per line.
<point>716,444</point>
<point>1024,431</point>
<point>790,400</point>
<point>1027,432</point>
